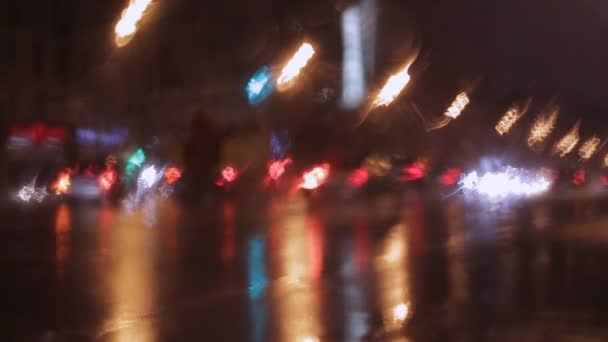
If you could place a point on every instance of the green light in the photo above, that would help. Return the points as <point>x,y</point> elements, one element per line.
<point>137,159</point>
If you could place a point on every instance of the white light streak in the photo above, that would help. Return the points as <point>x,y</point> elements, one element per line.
<point>353,79</point>
<point>127,25</point>
<point>460,103</point>
<point>295,65</point>
<point>149,176</point>
<point>511,182</point>
<point>393,87</point>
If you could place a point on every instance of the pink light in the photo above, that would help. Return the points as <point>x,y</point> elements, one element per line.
<point>604,180</point>
<point>414,172</point>
<point>107,179</point>
<point>315,177</point>
<point>276,168</point>
<point>229,175</point>
<point>358,178</point>
<point>450,177</point>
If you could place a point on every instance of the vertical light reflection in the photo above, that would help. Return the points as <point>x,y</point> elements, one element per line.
<point>362,245</point>
<point>257,282</point>
<point>172,213</point>
<point>106,217</point>
<point>131,283</point>
<point>315,246</point>
<point>228,239</point>
<point>356,308</point>
<point>63,225</point>
<point>456,249</point>
<point>393,270</point>
<point>541,217</point>
<point>297,290</point>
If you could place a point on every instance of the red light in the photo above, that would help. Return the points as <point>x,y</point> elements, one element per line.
<point>107,179</point>
<point>315,177</point>
<point>358,178</point>
<point>450,177</point>
<point>604,180</point>
<point>172,175</point>
<point>38,130</point>
<point>414,172</point>
<point>229,175</point>
<point>55,133</point>
<point>579,177</point>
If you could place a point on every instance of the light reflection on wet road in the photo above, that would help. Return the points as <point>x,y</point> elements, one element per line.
<point>385,269</point>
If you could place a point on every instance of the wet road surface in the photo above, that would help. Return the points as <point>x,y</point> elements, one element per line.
<point>388,268</point>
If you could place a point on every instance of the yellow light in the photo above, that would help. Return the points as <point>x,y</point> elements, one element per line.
<point>459,104</point>
<point>63,183</point>
<point>127,25</point>
<point>566,144</point>
<point>589,148</point>
<point>393,87</point>
<point>511,117</point>
<point>378,165</point>
<point>543,127</point>
<point>295,65</point>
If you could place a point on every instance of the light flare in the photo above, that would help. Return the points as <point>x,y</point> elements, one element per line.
<point>393,87</point>
<point>260,86</point>
<point>450,176</point>
<point>511,182</point>
<point>63,182</point>
<point>295,65</point>
<point>126,27</point>
<point>315,177</point>
<point>30,192</point>
<point>566,144</point>
<point>276,168</point>
<point>107,179</point>
<point>172,175</point>
<point>579,177</point>
<point>543,127</point>
<point>400,312</point>
<point>378,165</point>
<point>358,178</point>
<point>415,171</point>
<point>510,118</point>
<point>460,103</point>
<point>589,148</point>
<point>149,176</point>
<point>229,175</point>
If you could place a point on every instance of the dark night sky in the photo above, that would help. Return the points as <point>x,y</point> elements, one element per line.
<point>209,48</point>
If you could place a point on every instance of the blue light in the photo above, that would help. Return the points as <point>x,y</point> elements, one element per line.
<point>280,143</point>
<point>114,138</point>
<point>86,136</point>
<point>258,279</point>
<point>260,86</point>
